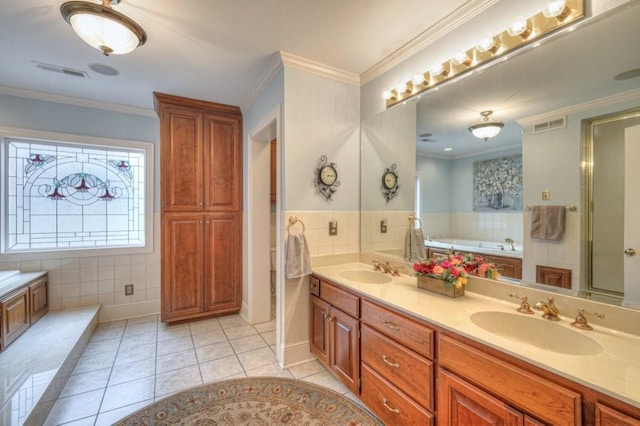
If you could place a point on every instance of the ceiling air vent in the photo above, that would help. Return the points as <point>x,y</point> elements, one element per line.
<point>545,126</point>
<point>61,70</point>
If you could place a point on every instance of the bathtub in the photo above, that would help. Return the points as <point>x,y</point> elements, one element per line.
<point>476,246</point>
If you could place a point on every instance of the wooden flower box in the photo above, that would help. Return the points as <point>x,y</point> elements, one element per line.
<point>437,286</point>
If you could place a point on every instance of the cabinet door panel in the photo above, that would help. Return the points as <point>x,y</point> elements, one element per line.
<point>15,315</point>
<point>460,403</point>
<point>319,329</point>
<point>222,263</point>
<point>223,173</point>
<point>605,416</point>
<point>182,159</point>
<point>344,357</point>
<point>182,266</point>
<point>39,300</point>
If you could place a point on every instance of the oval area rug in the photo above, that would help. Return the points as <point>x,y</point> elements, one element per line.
<point>253,401</point>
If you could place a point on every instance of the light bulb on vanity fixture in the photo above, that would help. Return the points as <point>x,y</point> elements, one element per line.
<point>524,31</point>
<point>102,27</point>
<point>487,127</point>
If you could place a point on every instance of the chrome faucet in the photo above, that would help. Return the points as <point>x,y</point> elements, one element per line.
<point>548,308</point>
<point>510,241</point>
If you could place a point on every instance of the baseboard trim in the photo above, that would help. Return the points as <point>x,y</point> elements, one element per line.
<point>131,310</point>
<point>297,353</point>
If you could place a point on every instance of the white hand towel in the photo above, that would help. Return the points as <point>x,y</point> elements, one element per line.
<point>298,259</point>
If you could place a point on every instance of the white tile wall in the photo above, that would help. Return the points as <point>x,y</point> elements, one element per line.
<point>296,292</point>
<point>99,279</point>
<point>394,238</point>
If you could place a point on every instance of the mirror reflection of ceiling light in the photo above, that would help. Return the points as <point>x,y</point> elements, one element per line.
<point>487,127</point>
<point>448,149</point>
<point>102,27</point>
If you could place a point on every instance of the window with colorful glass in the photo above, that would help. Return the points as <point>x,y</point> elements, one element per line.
<point>69,196</point>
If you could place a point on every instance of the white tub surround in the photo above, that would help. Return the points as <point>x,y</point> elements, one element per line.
<point>476,246</point>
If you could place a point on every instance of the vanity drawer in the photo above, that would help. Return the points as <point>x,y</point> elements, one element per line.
<point>410,333</point>
<point>390,404</point>
<point>410,372</point>
<point>524,390</point>
<point>341,299</point>
<point>314,286</point>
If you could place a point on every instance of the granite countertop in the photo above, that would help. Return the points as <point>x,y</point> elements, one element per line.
<point>614,371</point>
<point>13,280</point>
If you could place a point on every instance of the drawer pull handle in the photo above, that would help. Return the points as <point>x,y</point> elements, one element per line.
<point>391,363</point>
<point>391,325</point>
<point>386,405</point>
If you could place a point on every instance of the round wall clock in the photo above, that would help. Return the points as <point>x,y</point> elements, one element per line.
<point>326,178</point>
<point>390,185</point>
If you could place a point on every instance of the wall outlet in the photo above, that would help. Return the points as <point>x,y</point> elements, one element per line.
<point>383,226</point>
<point>546,194</point>
<point>128,290</point>
<point>333,227</point>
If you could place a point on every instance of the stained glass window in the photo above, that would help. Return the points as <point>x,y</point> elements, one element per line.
<point>68,196</point>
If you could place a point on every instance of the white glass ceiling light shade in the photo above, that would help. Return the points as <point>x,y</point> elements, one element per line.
<point>102,27</point>
<point>487,127</point>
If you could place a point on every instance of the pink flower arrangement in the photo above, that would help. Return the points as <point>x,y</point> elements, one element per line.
<point>455,268</point>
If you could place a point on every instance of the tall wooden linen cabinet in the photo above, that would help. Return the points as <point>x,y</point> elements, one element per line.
<point>201,207</point>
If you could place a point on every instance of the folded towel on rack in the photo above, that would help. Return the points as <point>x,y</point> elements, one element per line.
<point>414,249</point>
<point>298,259</point>
<point>547,222</point>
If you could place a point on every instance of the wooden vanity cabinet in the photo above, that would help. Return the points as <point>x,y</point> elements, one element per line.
<point>38,299</point>
<point>15,315</point>
<point>334,331</point>
<point>397,366</point>
<point>201,207</point>
<point>510,267</point>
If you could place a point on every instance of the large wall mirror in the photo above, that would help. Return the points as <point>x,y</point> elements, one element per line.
<point>547,96</point>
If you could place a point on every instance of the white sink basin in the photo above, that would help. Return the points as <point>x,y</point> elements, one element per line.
<point>367,277</point>
<point>537,332</point>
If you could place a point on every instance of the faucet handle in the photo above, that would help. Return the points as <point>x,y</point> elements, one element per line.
<point>376,265</point>
<point>524,308</point>
<point>581,320</point>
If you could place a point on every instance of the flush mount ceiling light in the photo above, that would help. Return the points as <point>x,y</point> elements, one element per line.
<point>102,27</point>
<point>487,127</point>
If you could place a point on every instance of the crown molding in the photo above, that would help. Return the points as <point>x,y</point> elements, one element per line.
<point>68,100</point>
<point>451,22</point>
<point>269,74</point>
<point>585,106</point>
<point>313,67</point>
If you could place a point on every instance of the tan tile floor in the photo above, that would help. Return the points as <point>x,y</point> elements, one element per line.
<point>129,364</point>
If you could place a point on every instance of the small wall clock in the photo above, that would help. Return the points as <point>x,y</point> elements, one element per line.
<point>390,184</point>
<point>326,178</point>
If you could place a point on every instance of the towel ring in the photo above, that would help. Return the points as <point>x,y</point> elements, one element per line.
<point>292,221</point>
<point>412,220</point>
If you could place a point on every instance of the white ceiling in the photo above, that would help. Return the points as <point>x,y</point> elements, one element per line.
<point>207,49</point>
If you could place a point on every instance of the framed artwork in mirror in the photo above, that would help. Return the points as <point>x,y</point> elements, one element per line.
<point>497,184</point>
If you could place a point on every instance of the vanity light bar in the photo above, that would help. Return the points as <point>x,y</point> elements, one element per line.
<point>524,33</point>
